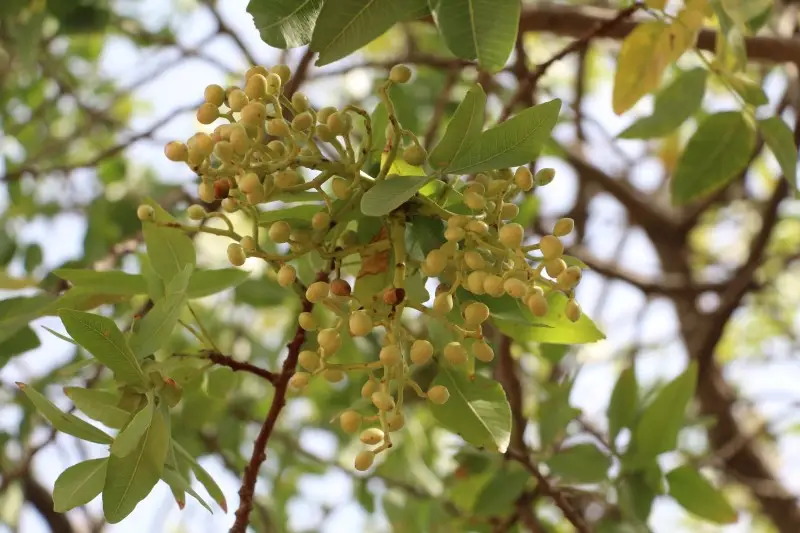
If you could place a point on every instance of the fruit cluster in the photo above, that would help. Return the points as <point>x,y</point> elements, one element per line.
<point>272,145</point>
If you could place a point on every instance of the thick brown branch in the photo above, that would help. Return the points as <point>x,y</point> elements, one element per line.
<point>241,366</point>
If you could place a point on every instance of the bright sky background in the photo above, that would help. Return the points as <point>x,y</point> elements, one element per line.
<point>774,384</point>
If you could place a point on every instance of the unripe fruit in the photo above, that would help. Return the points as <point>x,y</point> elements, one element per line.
<point>509,211</point>
<point>337,123</point>
<point>176,151</point>
<point>253,114</point>
<point>257,196</point>
<point>207,113</point>
<point>286,275</point>
<point>515,288</point>
<point>145,213</point>
<point>544,176</point>
<point>572,310</point>
<point>496,187</point>
<point>324,113</point>
<point>474,201</point>
<point>478,226</point>
<point>475,282</point>
<point>308,360</point>
<point>307,321</point>
<point>321,220</point>
<point>239,140</point>
<point>415,155</point>
<point>350,421</point>
<point>277,147</point>
<point>214,94</point>
<point>421,352</point>
<point>236,254</point>
<point>454,234</point>
<point>523,179</point>
<point>283,71</point>
<point>555,267</point>
<point>455,353</point>
<point>382,401</point>
<point>457,221</point>
<point>237,100</point>
<point>400,74</point>
<point>287,178</point>
<point>537,303</point>
<point>569,278</point>
<point>551,247</point>
<point>303,121</point>
<point>511,235</point>
<point>476,313</point>
<point>249,183</point>
<point>299,380</point>
<point>274,81</point>
<point>256,87</point>
<point>252,71</point>
<point>564,226</point>
<point>333,375</point>
<point>317,291</point>
<point>476,187</point>
<point>196,212</point>
<point>230,205</point>
<point>439,394</point>
<point>371,436</point>
<point>280,231</point>
<point>395,421</point>
<point>329,340</point>
<point>206,192</point>
<point>483,352</point>
<point>474,260</point>
<point>369,388</point>
<point>340,287</point>
<point>300,102</point>
<point>340,188</point>
<point>364,460</point>
<point>360,323</point>
<point>202,143</point>
<point>278,127</point>
<point>435,262</point>
<point>493,285</point>
<point>224,151</point>
<point>443,303</point>
<point>390,355</point>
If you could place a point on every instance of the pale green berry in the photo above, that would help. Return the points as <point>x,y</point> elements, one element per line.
<point>364,460</point>
<point>274,81</point>
<point>390,355</point>
<point>340,188</point>
<point>475,282</point>
<point>207,113</point>
<point>564,226</point>
<point>237,100</point>
<point>435,262</point>
<point>300,102</point>
<point>176,151</point>
<point>278,127</point>
<point>400,74</point>
<point>309,360</point>
<point>371,436</point>
<point>329,340</point>
<point>321,221</point>
<point>253,114</point>
<point>287,178</point>
<point>286,275</point>
<point>382,401</point>
<point>277,148</point>
<point>493,285</point>
<point>257,69</point>
<point>145,213</point>
<point>555,267</point>
<point>196,212</point>
<point>551,247</point>
<point>454,234</point>
<point>421,352</point>
<point>214,94</point>
<point>307,321</point>
<point>415,155</point>
<point>230,205</point>
<point>249,183</point>
<point>303,121</point>
<point>537,303</point>
<point>455,353</point>
<point>509,211</point>
<point>544,176</point>
<point>443,303</point>
<point>324,113</point>
<point>337,123</point>
<point>474,201</point>
<point>256,87</point>
<point>360,323</point>
<point>299,380</point>
<point>523,179</point>
<point>236,254</point>
<point>317,291</point>
<point>474,260</point>
<point>395,421</point>
<point>511,235</point>
<point>283,71</point>
<point>369,388</point>
<point>482,351</point>
<point>350,421</point>
<point>476,313</point>
<point>280,231</point>
<point>439,394</point>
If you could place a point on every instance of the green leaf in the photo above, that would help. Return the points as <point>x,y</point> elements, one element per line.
<point>204,478</point>
<point>16,313</point>
<point>261,292</point>
<point>479,29</point>
<point>635,498</point>
<point>110,282</point>
<point>61,336</point>
<point>156,327</point>
<point>389,194</point>
<point>675,104</point>
<point>130,479</point>
<point>285,23</point>
<point>207,282</point>
<point>169,249</point>
<point>624,404</point>
<point>424,234</point>
<point>640,64</point>
<point>582,463</point>
<point>130,436</point>
<point>477,409</point>
<point>220,382</point>
<point>155,285</point>
<point>344,26</point>
<point>64,422</point>
<point>463,131</point>
<point>499,496</point>
<point>555,412</point>
<point>23,340</point>
<point>695,494</point>
<point>179,485</point>
<point>298,216</point>
<point>718,151</point>
<point>79,484</point>
<point>514,142</point>
<point>99,405</point>
<point>102,338</point>
<point>553,328</point>
<point>780,139</point>
<point>741,11</point>
<point>750,91</point>
<point>661,421</point>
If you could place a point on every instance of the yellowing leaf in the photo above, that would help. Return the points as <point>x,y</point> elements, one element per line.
<point>655,4</point>
<point>641,63</point>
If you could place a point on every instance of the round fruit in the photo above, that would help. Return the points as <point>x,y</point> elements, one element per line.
<point>207,113</point>
<point>555,267</point>
<point>439,394</point>
<point>475,282</point>
<point>364,460</point>
<point>382,401</point>
<point>421,352</point>
<point>308,360</point>
<point>307,321</point>
<point>196,212</point>
<point>329,340</point>
<point>564,226</point>
<point>333,375</point>
<point>400,74</point>
<point>455,353</point>
<point>350,421</point>
<point>360,323</point>
<point>551,247</point>
<point>395,421</point>
<point>483,352</point>
<point>474,260</point>
<point>369,388</point>
<point>509,211</point>
<point>415,155</point>
<point>256,87</point>
<point>523,179</point>
<point>303,121</point>
<point>176,151</point>
<point>237,100</point>
<point>493,285</point>
<point>435,262</point>
<point>299,380</point>
<point>390,355</point>
<point>214,94</point>
<point>283,71</point>
<point>253,114</point>
<point>515,288</point>
<point>341,188</point>
<point>474,201</point>
<point>249,183</point>
<point>371,436</point>
<point>476,313</point>
<point>321,220</point>
<point>236,254</point>
<point>300,102</point>
<point>544,176</point>
<point>280,231</point>
<point>443,303</point>
<point>317,291</point>
<point>537,303</point>
<point>206,192</point>
<point>278,127</point>
<point>286,275</point>
<point>511,235</point>
<point>145,213</point>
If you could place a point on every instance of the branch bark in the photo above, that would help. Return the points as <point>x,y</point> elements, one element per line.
<point>42,501</point>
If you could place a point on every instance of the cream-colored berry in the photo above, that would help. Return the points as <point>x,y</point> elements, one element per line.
<point>236,254</point>
<point>572,310</point>
<point>252,71</point>
<point>145,213</point>
<point>307,321</point>
<point>371,436</point>
<point>509,211</point>
<point>421,352</point>
<point>337,123</point>
<point>515,288</point>
<point>537,303</point>
<point>478,226</point>
<point>523,179</point>
<point>196,212</point>
<point>564,226</point>
<point>475,281</point>
<point>324,113</point>
<point>435,262</point>
<point>438,394</point>
<point>350,421</point>
<point>390,355</point>
<point>551,247</point>
<point>400,74</point>
<point>206,192</point>
<point>476,313</point>
<point>511,235</point>
<point>299,380</point>
<point>443,303</point>
<point>329,340</point>
<point>340,188</point>
<point>253,114</point>
<point>555,267</point>
<point>382,401</point>
<point>207,113</point>
<point>309,360</point>
<point>321,221</point>
<point>544,176</point>
<point>280,231</point>
<point>214,94</point>
<point>287,178</point>
<point>249,183</point>
<point>176,151</point>
<point>415,155</point>
<point>474,260</point>
<point>333,375</point>
<point>482,351</point>
<point>454,234</point>
<point>239,140</point>
<point>202,143</point>
<point>283,72</point>
<point>369,388</point>
<point>237,100</point>
<point>230,205</point>
<point>360,323</point>
<point>457,221</point>
<point>286,275</point>
<point>455,353</point>
<point>256,87</point>
<point>493,285</point>
<point>364,460</point>
<point>317,291</point>
<point>300,102</point>
<point>278,127</point>
<point>303,121</point>
<point>569,278</point>
<point>395,421</point>
<point>474,201</point>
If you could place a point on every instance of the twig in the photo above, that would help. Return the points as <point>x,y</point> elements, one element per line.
<point>240,366</point>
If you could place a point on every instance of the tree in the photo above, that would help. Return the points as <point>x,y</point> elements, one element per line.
<point>421,291</point>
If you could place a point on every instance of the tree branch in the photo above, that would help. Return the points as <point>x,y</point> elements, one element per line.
<point>40,498</point>
<point>241,366</point>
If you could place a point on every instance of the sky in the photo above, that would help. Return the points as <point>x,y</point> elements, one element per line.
<point>772,384</point>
